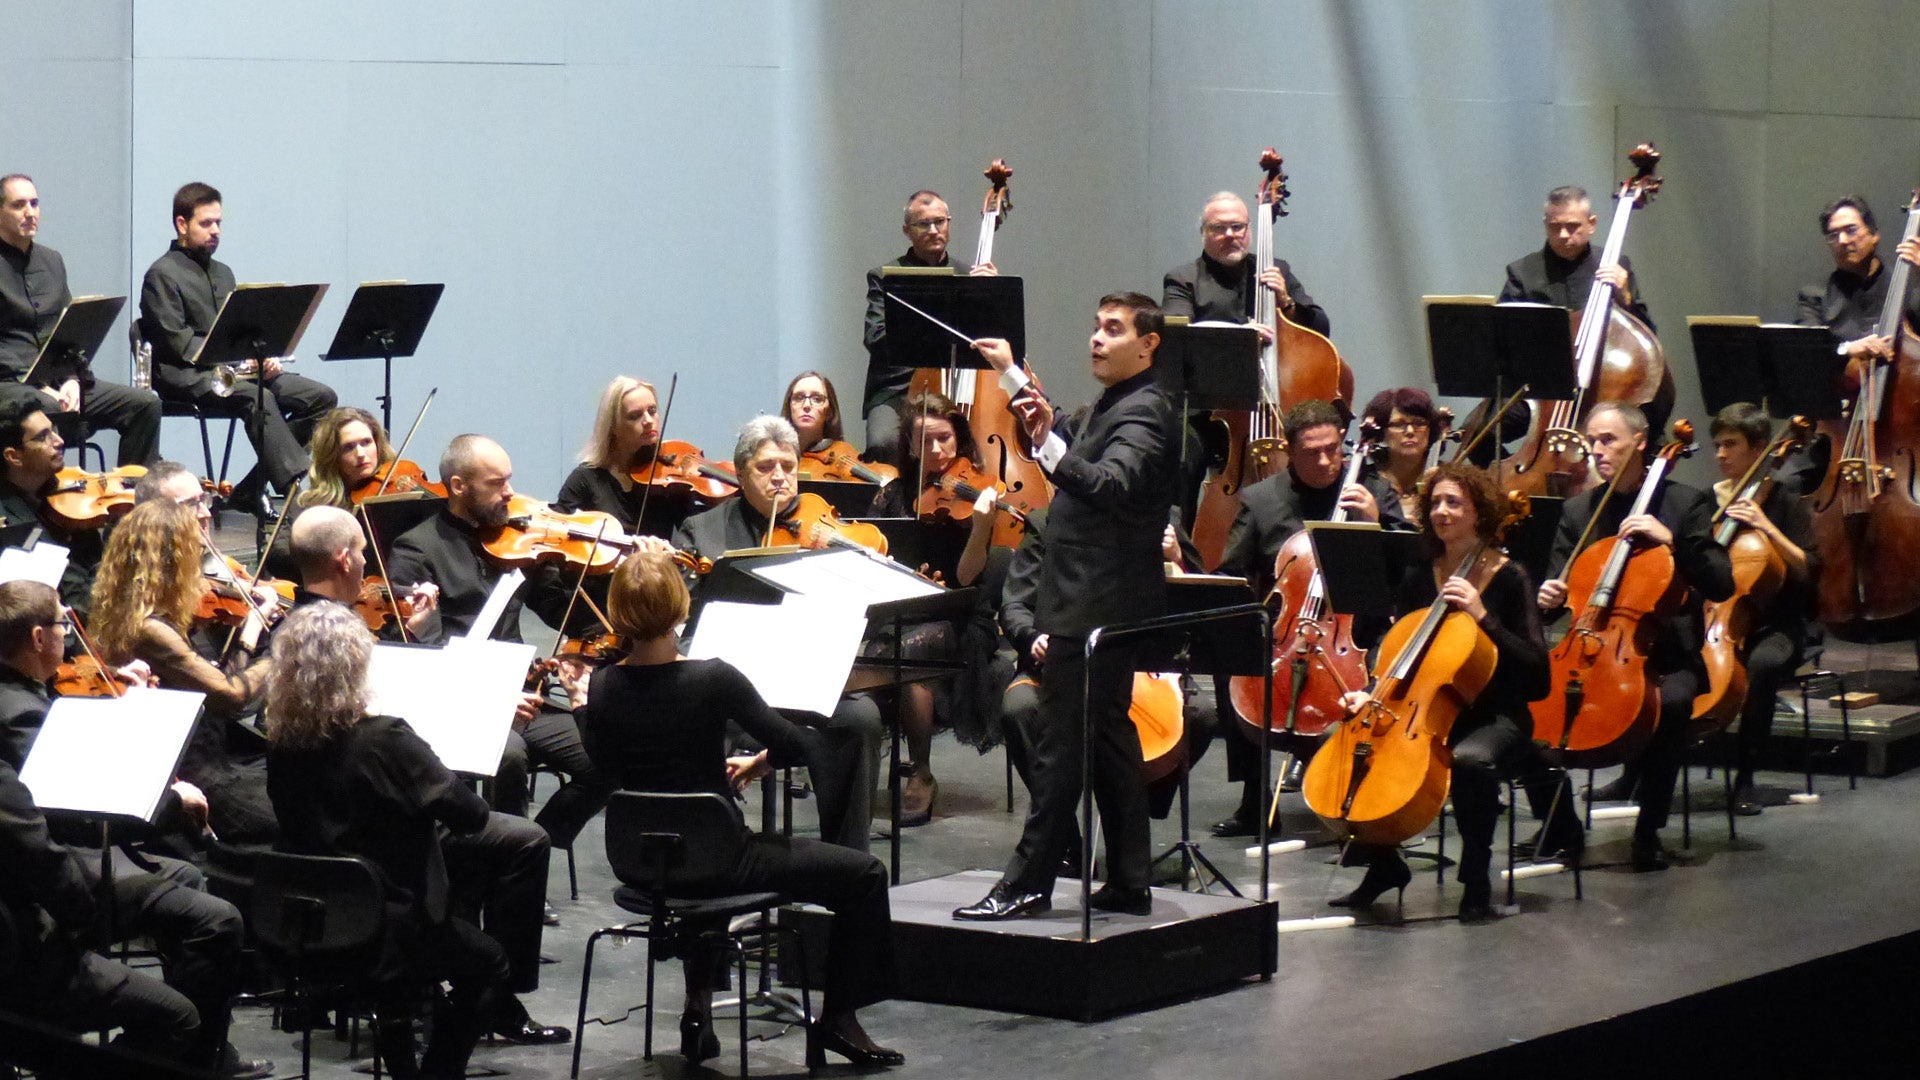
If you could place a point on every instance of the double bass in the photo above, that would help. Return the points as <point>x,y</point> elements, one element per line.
<point>1383,774</point>
<point>1758,573</point>
<point>1865,520</point>
<point>1603,705</point>
<point>1616,357</point>
<point>1296,365</point>
<point>1307,629</point>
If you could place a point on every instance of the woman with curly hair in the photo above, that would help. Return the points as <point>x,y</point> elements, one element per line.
<point>347,783</point>
<point>144,600</point>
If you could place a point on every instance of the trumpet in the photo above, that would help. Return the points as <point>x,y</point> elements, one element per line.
<point>226,375</point>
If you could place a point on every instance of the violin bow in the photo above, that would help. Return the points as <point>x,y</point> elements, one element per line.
<point>380,564</point>
<point>580,591</point>
<point>659,440</point>
<point>402,452</point>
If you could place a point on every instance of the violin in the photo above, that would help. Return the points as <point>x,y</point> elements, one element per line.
<point>84,500</point>
<point>1307,628</point>
<point>226,600</point>
<point>599,647</point>
<point>1603,707</point>
<point>377,604</point>
<point>83,676</point>
<point>1617,358</point>
<point>811,523</point>
<point>1758,573</point>
<point>1383,774</point>
<point>680,467</point>
<point>396,477</point>
<point>838,460</point>
<point>950,497</point>
<point>1866,522</point>
<point>535,533</point>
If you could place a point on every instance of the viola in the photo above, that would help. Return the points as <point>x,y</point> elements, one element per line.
<point>680,467</point>
<point>1307,628</point>
<point>599,647</point>
<point>950,497</point>
<point>396,477</point>
<point>1382,775</point>
<point>1865,520</point>
<point>1603,707</point>
<point>535,533</point>
<point>838,460</point>
<point>811,523</point>
<point>1617,358</point>
<point>225,599</point>
<point>1758,573</point>
<point>84,500</point>
<point>377,604</point>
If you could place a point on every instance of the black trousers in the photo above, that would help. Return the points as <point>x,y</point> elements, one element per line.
<point>133,414</point>
<point>1484,757</point>
<point>199,937</point>
<point>552,738</point>
<point>475,970</point>
<point>292,403</point>
<point>1055,769</point>
<point>845,766</point>
<point>498,880</point>
<point>1660,763</point>
<point>1771,658</point>
<point>98,994</point>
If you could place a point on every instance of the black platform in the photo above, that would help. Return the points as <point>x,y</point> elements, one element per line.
<point>1191,944</point>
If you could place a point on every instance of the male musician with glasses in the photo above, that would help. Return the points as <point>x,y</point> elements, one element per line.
<point>1218,286</point>
<point>1850,303</point>
<point>33,297</point>
<point>31,453</point>
<point>928,226</point>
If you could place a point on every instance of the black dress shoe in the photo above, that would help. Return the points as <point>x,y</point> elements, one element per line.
<point>1476,903</point>
<point>1005,902</point>
<point>698,1041</point>
<point>1648,855</point>
<point>1293,775</point>
<point>1745,803</point>
<point>1227,828</point>
<point>870,1056</point>
<point>528,1033</point>
<point>1121,900</point>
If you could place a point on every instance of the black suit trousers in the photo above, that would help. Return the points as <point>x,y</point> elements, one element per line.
<point>279,431</point>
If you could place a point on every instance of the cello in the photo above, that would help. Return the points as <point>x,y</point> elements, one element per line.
<point>1603,706</point>
<point>1383,774</point>
<point>1616,357</point>
<point>1296,364</point>
<point>1758,573</point>
<point>1865,520</point>
<point>1308,629</point>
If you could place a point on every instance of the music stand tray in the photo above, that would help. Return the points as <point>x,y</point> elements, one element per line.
<point>1487,350</point>
<point>1793,369</point>
<point>1361,565</point>
<point>1209,366</point>
<point>81,329</point>
<point>384,319</point>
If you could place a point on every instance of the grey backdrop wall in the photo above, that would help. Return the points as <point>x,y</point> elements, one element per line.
<point>612,186</point>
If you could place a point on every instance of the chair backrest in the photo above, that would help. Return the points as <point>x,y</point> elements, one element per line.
<point>317,906</point>
<point>669,841</point>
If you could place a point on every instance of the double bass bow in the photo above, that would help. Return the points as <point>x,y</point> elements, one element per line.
<point>1296,364</point>
<point>1758,572</point>
<point>1307,629</point>
<point>1616,357</point>
<point>1865,520</point>
<point>1603,705</point>
<point>1382,775</point>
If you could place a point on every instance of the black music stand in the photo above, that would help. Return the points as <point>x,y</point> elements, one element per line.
<point>849,498</point>
<point>256,323</point>
<point>78,333</point>
<point>384,319</point>
<point>1487,350</point>
<point>387,517</point>
<point>1206,368</point>
<point>979,307</point>
<point>1793,369</point>
<point>914,543</point>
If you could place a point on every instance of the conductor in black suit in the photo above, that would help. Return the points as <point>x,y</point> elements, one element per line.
<point>1112,466</point>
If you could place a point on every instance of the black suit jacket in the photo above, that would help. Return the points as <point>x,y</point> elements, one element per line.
<point>1204,289</point>
<point>1276,508</point>
<point>1112,492</point>
<point>1849,305</point>
<point>1541,277</point>
<point>442,549</point>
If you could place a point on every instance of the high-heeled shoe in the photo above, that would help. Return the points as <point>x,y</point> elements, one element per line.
<point>820,1040</point>
<point>1381,876</point>
<point>698,1040</point>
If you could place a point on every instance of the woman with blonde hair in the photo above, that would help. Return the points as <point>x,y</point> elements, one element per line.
<point>626,434</point>
<point>349,448</point>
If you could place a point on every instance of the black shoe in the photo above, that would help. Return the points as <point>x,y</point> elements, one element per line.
<point>870,1056</point>
<point>1005,902</point>
<point>1070,866</point>
<point>1237,825</point>
<point>698,1041</point>
<point>1296,771</point>
<point>1648,855</point>
<point>1565,841</point>
<point>1476,904</point>
<point>1620,790</point>
<point>234,1067</point>
<point>1381,876</point>
<point>1745,803</point>
<point>1121,900</point>
<point>528,1033</point>
<point>548,916</point>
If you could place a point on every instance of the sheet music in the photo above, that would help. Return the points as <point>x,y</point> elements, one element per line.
<point>797,653</point>
<point>46,563</point>
<point>110,755</point>
<point>851,576</point>
<point>496,605</point>
<point>460,699</point>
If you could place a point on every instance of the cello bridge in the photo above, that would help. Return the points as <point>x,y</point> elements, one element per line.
<point>1566,443</point>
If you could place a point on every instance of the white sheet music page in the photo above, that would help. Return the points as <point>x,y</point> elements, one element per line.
<point>851,577</point>
<point>460,699</point>
<point>797,653</point>
<point>44,564</point>
<point>110,755</point>
<point>496,604</point>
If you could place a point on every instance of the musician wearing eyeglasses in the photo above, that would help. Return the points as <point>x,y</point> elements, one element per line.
<point>1850,303</point>
<point>928,226</point>
<point>1219,284</point>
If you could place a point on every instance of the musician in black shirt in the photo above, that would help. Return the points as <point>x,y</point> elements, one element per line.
<point>1850,303</point>
<point>626,435</point>
<point>1562,272</point>
<point>1218,286</point>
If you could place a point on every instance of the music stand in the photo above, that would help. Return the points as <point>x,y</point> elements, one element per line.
<point>387,517</point>
<point>979,307</point>
<point>915,543</point>
<point>78,333</point>
<point>1208,367</point>
<point>384,319</point>
<point>849,498</point>
<point>1486,350</point>
<point>256,323</point>
<point>1793,369</point>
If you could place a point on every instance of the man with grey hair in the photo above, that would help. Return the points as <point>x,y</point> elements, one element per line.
<point>1218,286</point>
<point>845,762</point>
<point>928,226</point>
<point>1563,270</point>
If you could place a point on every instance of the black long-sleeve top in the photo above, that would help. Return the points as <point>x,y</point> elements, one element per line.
<point>590,488</point>
<point>1276,508</point>
<point>663,727</point>
<point>33,293</point>
<point>1204,289</point>
<point>1524,672</point>
<point>41,874</point>
<point>887,382</point>
<point>1542,277</point>
<point>179,298</point>
<point>84,546</point>
<point>1849,305</point>
<point>1701,565</point>
<point>444,550</point>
